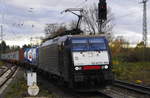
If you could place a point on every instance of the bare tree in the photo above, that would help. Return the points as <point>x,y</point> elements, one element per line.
<point>90,21</point>
<point>73,24</point>
<point>53,30</point>
<point>50,29</point>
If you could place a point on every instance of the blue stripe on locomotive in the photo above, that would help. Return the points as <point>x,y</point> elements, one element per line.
<point>31,56</point>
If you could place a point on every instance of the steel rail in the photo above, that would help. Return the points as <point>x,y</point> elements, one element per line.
<point>5,70</point>
<point>9,76</point>
<point>105,95</point>
<point>134,87</point>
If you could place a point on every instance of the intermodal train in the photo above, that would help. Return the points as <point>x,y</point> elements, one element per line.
<point>75,60</point>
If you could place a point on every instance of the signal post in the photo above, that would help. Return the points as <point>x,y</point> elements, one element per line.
<point>102,13</point>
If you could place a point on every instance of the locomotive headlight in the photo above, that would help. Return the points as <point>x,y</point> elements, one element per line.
<point>106,66</point>
<point>78,68</point>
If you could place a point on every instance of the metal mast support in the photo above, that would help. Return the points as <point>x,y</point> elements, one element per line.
<point>145,22</point>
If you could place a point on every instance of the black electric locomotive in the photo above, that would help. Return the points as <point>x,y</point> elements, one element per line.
<point>77,60</point>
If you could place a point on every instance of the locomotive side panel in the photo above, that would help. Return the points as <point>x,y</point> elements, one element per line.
<point>66,66</point>
<point>48,59</point>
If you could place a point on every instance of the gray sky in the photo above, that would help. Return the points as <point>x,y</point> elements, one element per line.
<point>19,17</point>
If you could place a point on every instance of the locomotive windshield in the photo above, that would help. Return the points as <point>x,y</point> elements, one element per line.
<point>80,44</point>
<point>97,44</point>
<point>88,44</point>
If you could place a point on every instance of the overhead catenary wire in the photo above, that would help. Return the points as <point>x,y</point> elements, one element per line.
<point>15,25</point>
<point>76,6</point>
<point>5,8</point>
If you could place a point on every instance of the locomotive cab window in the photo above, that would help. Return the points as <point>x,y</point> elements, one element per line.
<point>97,43</point>
<point>79,44</point>
<point>84,44</point>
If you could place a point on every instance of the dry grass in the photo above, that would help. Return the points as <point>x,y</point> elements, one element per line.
<point>17,89</point>
<point>133,72</point>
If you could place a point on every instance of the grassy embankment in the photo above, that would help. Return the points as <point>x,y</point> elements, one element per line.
<point>138,72</point>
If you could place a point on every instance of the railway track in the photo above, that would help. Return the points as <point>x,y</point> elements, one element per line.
<point>6,75</point>
<point>93,94</point>
<point>3,70</point>
<point>134,87</point>
<point>121,89</point>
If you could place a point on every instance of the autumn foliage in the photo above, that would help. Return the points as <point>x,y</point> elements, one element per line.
<point>122,51</point>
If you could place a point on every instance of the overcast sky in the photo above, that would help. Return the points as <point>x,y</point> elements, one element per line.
<point>20,15</point>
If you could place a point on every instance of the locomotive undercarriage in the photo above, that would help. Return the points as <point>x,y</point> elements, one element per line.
<point>98,79</point>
